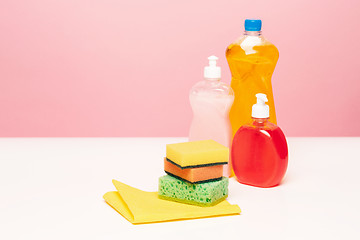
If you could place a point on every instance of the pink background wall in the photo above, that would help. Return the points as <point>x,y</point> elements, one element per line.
<point>124,68</point>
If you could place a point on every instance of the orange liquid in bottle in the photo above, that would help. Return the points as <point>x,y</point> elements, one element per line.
<point>252,61</point>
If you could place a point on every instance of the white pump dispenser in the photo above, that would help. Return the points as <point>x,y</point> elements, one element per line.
<point>212,71</point>
<point>260,109</point>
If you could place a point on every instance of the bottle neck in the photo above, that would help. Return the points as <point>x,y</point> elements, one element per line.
<point>213,79</point>
<point>252,33</point>
<point>260,121</point>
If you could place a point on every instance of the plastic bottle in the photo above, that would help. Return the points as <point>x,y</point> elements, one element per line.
<point>211,101</point>
<point>259,151</point>
<point>252,61</point>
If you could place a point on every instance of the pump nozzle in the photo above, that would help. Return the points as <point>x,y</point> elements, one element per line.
<point>212,71</point>
<point>261,98</point>
<point>212,60</point>
<point>260,109</point>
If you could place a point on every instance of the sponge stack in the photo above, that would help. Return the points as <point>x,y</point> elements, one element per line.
<point>195,173</point>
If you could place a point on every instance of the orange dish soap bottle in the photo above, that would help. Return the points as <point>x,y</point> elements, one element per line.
<point>259,151</point>
<point>252,61</point>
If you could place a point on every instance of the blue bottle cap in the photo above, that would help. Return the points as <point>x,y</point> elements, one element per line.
<point>252,25</point>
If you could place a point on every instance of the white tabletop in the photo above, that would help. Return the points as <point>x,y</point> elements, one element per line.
<point>52,188</point>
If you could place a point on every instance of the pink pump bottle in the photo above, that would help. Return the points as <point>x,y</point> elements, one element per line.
<point>259,151</point>
<point>211,101</point>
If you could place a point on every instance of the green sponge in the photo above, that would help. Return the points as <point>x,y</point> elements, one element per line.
<point>201,194</point>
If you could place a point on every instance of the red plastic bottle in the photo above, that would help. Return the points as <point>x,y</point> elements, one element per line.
<point>259,152</point>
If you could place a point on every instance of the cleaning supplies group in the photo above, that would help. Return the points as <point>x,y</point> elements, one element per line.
<point>224,118</point>
<point>225,114</point>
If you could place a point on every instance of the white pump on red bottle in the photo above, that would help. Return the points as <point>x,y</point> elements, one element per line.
<point>260,109</point>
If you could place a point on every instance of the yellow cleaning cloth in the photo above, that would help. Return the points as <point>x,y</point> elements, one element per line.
<point>145,207</point>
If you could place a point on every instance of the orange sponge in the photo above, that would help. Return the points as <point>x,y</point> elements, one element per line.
<point>196,174</point>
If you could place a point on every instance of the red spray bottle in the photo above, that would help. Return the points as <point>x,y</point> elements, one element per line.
<point>259,151</point>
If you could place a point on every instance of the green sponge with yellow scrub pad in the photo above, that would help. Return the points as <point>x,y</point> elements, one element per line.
<point>201,194</point>
<point>203,185</point>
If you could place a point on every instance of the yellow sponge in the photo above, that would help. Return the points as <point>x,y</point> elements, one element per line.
<point>197,153</point>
